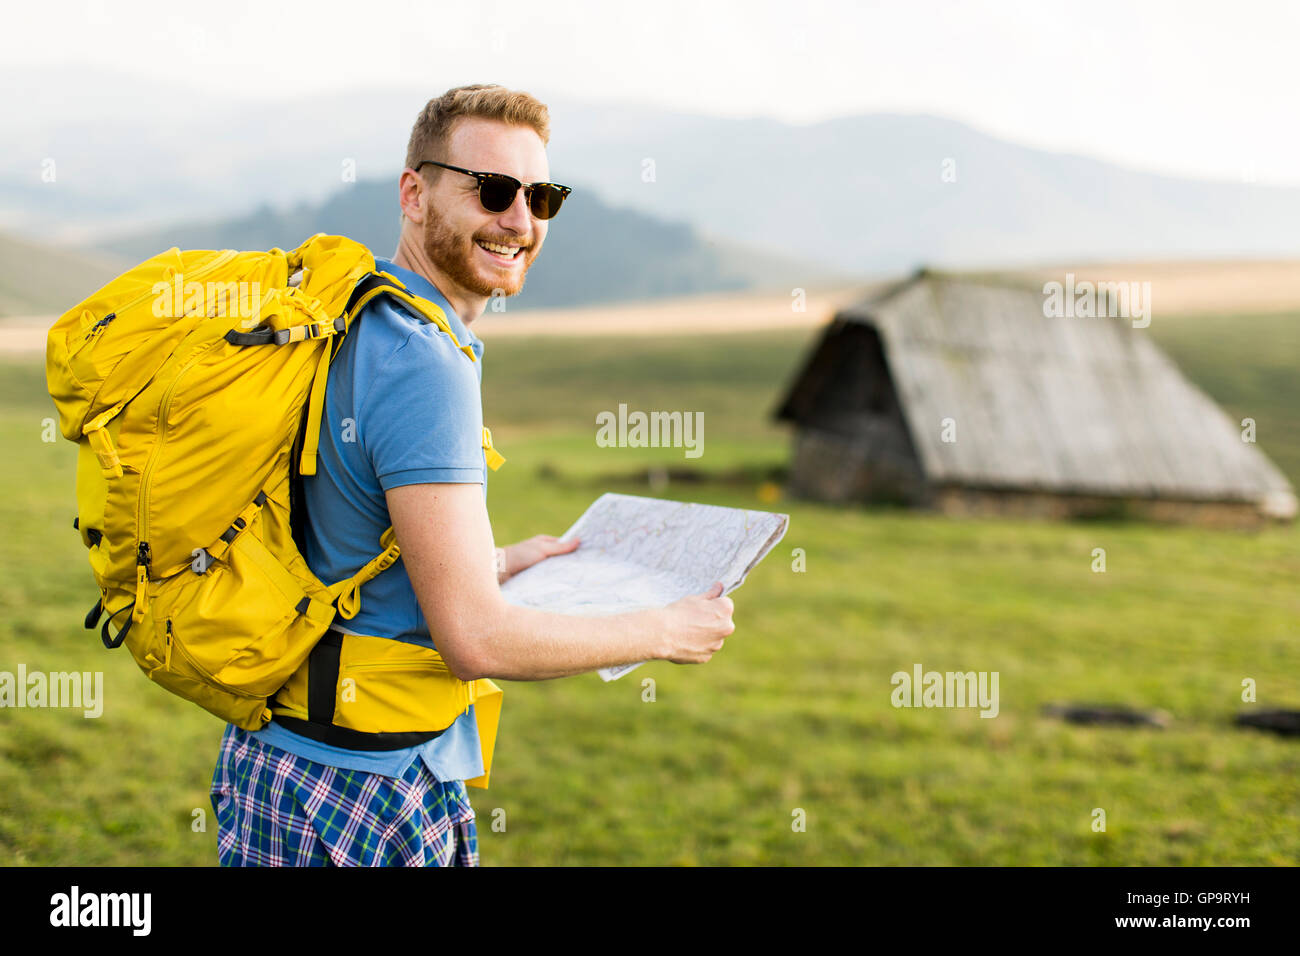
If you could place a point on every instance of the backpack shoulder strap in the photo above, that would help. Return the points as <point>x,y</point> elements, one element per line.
<point>384,283</point>
<point>369,287</point>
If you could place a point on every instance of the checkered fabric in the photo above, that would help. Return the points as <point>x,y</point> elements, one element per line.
<point>277,809</point>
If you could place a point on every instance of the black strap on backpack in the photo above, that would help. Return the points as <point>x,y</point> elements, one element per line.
<point>322,686</point>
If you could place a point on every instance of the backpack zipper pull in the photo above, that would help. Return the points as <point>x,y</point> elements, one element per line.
<point>167,657</point>
<point>142,560</point>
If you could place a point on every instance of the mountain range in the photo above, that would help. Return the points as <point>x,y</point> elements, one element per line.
<point>593,253</point>
<point>664,201</point>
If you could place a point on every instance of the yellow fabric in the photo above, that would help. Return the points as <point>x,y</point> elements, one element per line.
<point>390,686</point>
<point>387,686</point>
<point>494,458</point>
<point>487,717</point>
<point>181,431</point>
<point>315,408</point>
<point>102,443</point>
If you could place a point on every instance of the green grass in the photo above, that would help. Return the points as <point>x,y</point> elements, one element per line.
<point>795,712</point>
<point>1248,363</point>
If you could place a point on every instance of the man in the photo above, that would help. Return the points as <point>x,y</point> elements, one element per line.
<point>401,444</point>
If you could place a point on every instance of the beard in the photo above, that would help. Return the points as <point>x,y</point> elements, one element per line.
<point>453,253</point>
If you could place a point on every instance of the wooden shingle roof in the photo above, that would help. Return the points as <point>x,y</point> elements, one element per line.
<point>1077,405</point>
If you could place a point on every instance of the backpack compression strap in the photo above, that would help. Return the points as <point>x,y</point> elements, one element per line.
<point>347,593</point>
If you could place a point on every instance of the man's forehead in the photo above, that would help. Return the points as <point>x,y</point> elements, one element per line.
<point>491,146</point>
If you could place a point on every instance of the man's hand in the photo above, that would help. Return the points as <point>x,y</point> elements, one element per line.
<point>537,548</point>
<point>446,542</point>
<point>699,625</point>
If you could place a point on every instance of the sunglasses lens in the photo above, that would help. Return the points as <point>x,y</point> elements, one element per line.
<point>546,200</point>
<point>497,193</point>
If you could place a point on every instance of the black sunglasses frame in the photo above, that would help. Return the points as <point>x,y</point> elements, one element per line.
<point>553,190</point>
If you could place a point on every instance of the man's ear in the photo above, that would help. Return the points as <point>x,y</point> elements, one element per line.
<point>410,195</point>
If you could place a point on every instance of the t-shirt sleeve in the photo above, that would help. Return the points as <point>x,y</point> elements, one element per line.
<point>422,418</point>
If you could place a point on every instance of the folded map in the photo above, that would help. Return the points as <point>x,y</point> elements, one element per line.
<point>646,552</point>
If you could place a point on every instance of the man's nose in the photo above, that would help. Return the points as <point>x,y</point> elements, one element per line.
<point>517,218</point>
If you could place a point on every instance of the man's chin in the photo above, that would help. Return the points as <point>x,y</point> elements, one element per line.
<point>502,285</point>
<point>485,282</point>
<point>500,289</point>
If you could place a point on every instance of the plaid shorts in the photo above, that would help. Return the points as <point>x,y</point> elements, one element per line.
<point>277,809</point>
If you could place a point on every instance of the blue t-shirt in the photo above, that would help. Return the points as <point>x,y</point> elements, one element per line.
<point>402,407</point>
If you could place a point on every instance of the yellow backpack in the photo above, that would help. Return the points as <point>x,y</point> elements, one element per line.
<point>194,385</point>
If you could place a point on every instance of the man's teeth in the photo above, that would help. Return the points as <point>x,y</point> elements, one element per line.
<point>500,249</point>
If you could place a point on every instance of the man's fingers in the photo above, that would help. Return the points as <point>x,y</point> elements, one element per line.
<point>550,544</point>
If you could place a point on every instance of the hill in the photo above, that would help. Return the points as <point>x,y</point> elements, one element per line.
<point>36,279</point>
<point>593,252</point>
<point>873,193</point>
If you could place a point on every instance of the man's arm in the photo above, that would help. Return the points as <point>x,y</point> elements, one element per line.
<point>447,548</point>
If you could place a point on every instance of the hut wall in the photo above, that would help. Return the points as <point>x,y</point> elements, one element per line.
<point>829,467</point>
<point>852,443</point>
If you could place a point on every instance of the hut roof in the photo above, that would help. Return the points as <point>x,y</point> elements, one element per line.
<point>1078,405</point>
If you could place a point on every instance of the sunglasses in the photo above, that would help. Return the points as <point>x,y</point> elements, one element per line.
<point>497,191</point>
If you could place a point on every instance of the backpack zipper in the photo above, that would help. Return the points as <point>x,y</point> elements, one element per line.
<point>198,669</point>
<point>144,556</point>
<point>98,328</point>
<point>439,666</point>
<point>143,560</point>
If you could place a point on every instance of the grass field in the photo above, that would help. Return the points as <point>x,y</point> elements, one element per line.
<point>795,713</point>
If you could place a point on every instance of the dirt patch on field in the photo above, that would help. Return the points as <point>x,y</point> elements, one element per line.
<point>732,312</point>
<point>21,335</point>
<point>1199,288</point>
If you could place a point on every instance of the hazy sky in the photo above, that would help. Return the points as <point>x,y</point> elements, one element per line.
<point>1200,89</point>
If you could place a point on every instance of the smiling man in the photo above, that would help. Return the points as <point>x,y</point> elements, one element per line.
<point>457,241</point>
<point>402,443</point>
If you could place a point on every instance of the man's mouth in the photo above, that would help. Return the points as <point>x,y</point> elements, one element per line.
<point>500,250</point>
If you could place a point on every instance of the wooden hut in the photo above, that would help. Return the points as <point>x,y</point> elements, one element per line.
<point>964,395</point>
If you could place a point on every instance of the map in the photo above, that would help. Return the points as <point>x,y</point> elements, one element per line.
<point>639,553</point>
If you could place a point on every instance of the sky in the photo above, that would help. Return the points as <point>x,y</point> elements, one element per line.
<point>1205,90</point>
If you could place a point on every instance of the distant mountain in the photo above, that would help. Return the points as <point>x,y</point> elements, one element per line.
<point>91,153</point>
<point>869,194</point>
<point>40,280</point>
<point>885,193</point>
<point>593,253</point>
